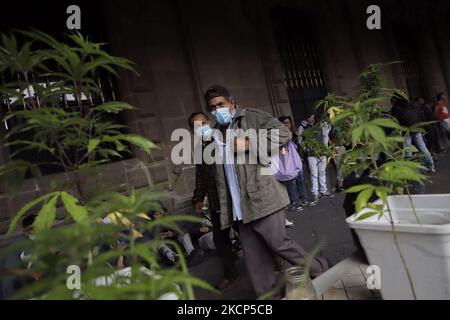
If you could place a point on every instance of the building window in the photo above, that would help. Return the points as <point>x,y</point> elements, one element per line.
<point>93,25</point>
<point>67,102</point>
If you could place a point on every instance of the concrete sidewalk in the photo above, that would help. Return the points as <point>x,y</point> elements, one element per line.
<point>324,222</point>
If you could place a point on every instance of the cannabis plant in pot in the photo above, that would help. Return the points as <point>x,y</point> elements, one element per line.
<point>78,139</point>
<point>376,149</point>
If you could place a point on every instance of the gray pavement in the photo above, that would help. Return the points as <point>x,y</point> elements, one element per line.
<point>324,222</point>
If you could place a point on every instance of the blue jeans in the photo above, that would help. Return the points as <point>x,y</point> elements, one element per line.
<point>292,191</point>
<point>300,182</point>
<point>318,169</point>
<point>417,139</point>
<point>446,125</point>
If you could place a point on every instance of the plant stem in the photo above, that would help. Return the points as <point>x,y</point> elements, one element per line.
<point>184,270</point>
<point>394,231</point>
<point>412,204</point>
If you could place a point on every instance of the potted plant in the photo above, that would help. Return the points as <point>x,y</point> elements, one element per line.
<point>80,139</point>
<point>405,235</point>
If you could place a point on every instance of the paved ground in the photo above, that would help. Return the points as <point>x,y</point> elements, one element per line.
<point>325,222</point>
<point>352,287</point>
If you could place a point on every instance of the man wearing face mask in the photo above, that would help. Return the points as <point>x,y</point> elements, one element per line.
<point>205,184</point>
<point>255,202</point>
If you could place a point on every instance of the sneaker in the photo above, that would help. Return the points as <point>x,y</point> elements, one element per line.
<point>288,224</point>
<point>314,201</point>
<point>306,203</point>
<point>432,170</point>
<point>295,209</point>
<point>327,194</point>
<point>326,265</point>
<point>340,187</point>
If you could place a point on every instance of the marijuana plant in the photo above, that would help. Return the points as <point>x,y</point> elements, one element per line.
<point>79,139</point>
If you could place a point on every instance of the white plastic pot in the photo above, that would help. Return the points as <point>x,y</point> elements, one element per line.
<point>425,246</point>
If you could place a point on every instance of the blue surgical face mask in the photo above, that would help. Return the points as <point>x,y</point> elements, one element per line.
<point>222,116</point>
<point>204,132</point>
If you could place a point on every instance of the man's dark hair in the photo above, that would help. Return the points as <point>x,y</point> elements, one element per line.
<point>217,91</point>
<point>151,214</point>
<point>192,116</point>
<point>439,96</point>
<point>28,220</point>
<point>394,100</point>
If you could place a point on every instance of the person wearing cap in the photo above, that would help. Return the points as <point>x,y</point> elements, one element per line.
<point>255,202</point>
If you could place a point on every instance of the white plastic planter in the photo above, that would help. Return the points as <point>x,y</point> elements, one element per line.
<point>425,246</point>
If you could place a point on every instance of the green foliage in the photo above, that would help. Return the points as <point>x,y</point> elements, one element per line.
<point>312,144</point>
<point>374,135</point>
<point>372,83</point>
<point>81,140</point>
<point>377,149</point>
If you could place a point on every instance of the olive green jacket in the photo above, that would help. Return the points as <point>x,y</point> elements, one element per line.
<point>261,195</point>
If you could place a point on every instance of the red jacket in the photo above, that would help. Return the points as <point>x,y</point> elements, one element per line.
<point>442,110</point>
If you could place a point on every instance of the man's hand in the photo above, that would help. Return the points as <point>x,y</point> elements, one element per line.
<point>241,145</point>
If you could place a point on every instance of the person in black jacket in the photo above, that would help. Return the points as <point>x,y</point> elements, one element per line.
<point>408,115</point>
<point>205,184</point>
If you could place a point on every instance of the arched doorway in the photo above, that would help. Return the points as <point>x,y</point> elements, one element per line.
<point>408,53</point>
<point>304,80</point>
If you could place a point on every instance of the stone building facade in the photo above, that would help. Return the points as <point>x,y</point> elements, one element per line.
<point>276,55</point>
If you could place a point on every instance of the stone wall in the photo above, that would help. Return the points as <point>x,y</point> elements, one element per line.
<point>182,47</point>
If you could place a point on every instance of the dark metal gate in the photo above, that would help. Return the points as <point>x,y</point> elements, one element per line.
<point>303,77</point>
<point>408,49</point>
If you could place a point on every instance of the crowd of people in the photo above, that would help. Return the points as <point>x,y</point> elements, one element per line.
<point>256,208</point>
<point>432,143</point>
<point>242,198</point>
<point>247,210</point>
<point>191,237</point>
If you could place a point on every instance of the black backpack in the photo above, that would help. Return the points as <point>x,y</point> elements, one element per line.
<point>409,115</point>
